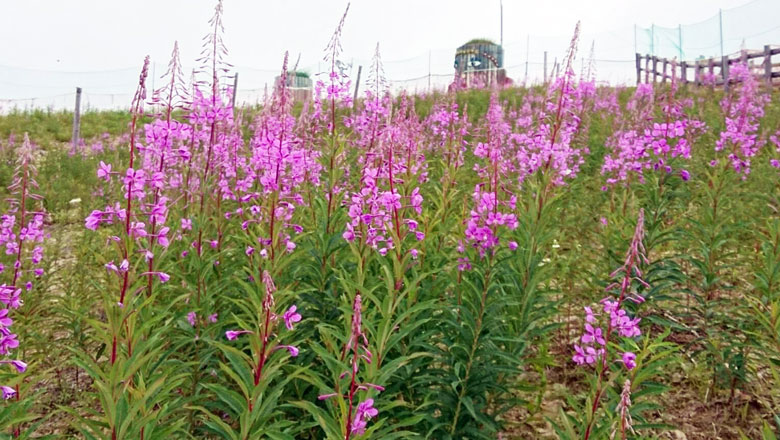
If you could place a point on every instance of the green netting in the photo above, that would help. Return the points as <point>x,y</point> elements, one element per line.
<point>750,26</point>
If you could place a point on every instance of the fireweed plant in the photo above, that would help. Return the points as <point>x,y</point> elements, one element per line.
<point>358,413</point>
<point>401,266</point>
<point>134,388</point>
<point>646,141</point>
<point>614,321</point>
<point>499,305</point>
<point>725,346</point>
<point>21,236</point>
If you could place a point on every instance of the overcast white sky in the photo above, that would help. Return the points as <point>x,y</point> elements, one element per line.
<point>109,34</point>
<point>88,35</point>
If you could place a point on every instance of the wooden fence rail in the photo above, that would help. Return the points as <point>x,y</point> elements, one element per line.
<point>711,71</point>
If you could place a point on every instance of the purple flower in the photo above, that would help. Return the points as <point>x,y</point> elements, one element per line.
<point>191,318</point>
<point>213,318</point>
<point>292,349</point>
<point>593,334</point>
<point>588,355</point>
<point>5,321</point>
<point>93,220</point>
<point>629,360</point>
<point>104,171</point>
<point>291,317</point>
<point>8,392</point>
<point>685,175</point>
<point>19,365</point>
<point>231,335</point>
<point>589,315</point>
<point>365,411</point>
<point>8,341</point>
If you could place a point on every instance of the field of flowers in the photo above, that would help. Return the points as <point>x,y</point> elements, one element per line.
<point>560,261</point>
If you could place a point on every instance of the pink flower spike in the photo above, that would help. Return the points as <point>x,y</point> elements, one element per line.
<point>291,317</point>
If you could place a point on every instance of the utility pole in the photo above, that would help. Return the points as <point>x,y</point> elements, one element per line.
<point>502,22</point>
<point>527,54</point>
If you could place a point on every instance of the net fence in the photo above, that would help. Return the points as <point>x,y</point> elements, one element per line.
<point>526,62</point>
<point>749,26</point>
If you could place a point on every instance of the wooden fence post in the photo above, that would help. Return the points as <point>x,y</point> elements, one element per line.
<point>663,77</point>
<point>647,69</point>
<point>655,69</point>
<point>768,65</point>
<point>76,120</point>
<point>697,73</point>
<point>638,67</point>
<point>724,71</point>
<point>684,72</point>
<point>545,67</point>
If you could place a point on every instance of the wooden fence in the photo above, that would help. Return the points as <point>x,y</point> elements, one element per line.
<point>711,71</point>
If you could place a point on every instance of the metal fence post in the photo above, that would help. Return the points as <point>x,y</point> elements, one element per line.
<point>638,68</point>
<point>357,85</point>
<point>235,89</point>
